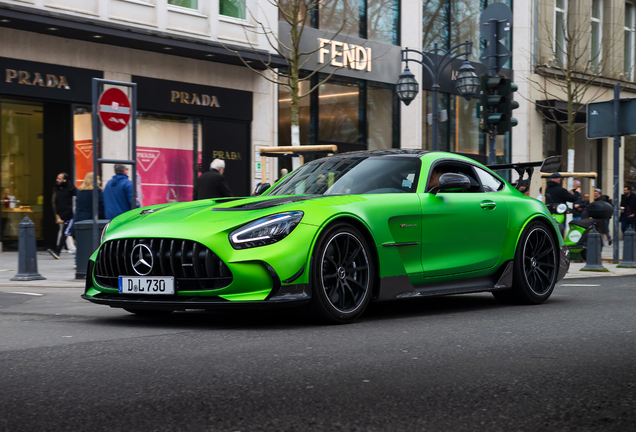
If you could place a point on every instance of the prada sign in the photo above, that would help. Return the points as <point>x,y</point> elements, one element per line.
<point>346,55</point>
<point>46,81</point>
<point>192,99</point>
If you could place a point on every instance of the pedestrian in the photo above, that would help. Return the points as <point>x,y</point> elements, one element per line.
<point>628,207</point>
<point>118,193</point>
<point>540,196</point>
<point>603,226</point>
<point>576,209</point>
<point>84,200</point>
<point>212,184</point>
<point>63,210</point>
<point>583,206</point>
<point>556,194</point>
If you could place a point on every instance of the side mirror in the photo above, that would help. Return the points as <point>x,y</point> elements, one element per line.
<point>450,181</point>
<point>551,164</point>
<point>262,188</point>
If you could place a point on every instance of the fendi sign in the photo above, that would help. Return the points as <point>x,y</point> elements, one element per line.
<point>36,79</point>
<point>343,54</point>
<point>46,81</point>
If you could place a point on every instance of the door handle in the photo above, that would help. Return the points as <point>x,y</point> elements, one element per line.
<point>488,205</point>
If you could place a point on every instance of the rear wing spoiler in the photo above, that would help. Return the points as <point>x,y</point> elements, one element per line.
<point>549,165</point>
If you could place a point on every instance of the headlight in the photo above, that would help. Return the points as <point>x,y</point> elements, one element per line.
<point>265,231</point>
<point>101,239</point>
<point>561,208</point>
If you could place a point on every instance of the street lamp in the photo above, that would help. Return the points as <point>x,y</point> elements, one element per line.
<point>467,82</point>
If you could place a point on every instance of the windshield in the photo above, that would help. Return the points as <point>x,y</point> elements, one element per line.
<point>349,176</point>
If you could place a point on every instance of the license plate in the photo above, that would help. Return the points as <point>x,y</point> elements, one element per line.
<point>146,285</point>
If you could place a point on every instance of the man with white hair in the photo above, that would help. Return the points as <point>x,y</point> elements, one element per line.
<point>212,184</point>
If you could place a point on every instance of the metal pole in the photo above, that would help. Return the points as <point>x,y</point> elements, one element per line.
<point>95,118</point>
<point>133,139</point>
<point>492,71</point>
<point>435,87</point>
<point>617,146</point>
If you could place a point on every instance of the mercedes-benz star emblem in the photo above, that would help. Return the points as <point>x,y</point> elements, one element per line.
<point>140,256</point>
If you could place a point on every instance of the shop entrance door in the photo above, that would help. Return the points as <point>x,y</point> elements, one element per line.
<point>229,141</point>
<point>21,168</point>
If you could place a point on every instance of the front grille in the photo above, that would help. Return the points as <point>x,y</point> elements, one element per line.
<point>194,266</point>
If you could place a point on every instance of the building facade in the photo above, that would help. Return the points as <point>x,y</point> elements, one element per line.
<point>576,52</point>
<point>196,99</point>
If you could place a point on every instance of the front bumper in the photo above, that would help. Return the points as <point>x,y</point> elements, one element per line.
<point>288,295</point>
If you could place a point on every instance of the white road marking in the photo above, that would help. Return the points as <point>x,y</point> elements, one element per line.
<point>26,293</point>
<point>580,285</point>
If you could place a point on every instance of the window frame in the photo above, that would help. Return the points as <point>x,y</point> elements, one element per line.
<point>629,74</point>
<point>595,63</point>
<point>564,12</point>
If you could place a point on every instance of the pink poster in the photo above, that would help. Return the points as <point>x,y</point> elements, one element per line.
<point>165,175</point>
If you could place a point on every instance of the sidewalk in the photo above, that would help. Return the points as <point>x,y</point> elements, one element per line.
<point>58,273</point>
<point>61,273</point>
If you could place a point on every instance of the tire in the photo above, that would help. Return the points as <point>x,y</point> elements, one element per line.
<point>583,254</point>
<point>149,312</point>
<point>342,274</point>
<point>535,267</point>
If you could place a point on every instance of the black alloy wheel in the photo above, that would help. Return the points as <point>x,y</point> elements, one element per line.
<point>535,268</point>
<point>343,274</point>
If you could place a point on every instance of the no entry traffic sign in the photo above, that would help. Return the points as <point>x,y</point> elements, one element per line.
<point>114,109</point>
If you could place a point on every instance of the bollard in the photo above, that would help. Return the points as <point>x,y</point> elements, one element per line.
<point>594,259</point>
<point>629,249</point>
<point>27,258</point>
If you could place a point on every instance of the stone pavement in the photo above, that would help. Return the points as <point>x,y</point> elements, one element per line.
<point>61,273</point>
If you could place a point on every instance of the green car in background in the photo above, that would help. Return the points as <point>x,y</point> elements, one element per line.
<point>334,235</point>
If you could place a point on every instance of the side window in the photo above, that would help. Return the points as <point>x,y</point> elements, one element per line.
<point>489,182</point>
<point>453,167</point>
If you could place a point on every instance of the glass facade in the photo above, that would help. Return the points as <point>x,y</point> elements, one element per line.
<point>449,24</point>
<point>376,20</point>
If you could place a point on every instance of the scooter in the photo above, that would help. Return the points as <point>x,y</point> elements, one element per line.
<point>576,238</point>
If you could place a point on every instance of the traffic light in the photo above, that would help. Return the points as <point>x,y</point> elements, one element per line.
<point>491,103</point>
<point>507,105</point>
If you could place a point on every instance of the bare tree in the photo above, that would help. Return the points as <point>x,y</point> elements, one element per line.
<point>297,14</point>
<point>576,70</point>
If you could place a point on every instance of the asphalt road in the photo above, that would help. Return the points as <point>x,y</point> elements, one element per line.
<point>461,363</point>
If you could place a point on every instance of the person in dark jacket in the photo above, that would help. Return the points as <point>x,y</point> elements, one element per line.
<point>628,203</point>
<point>118,193</point>
<point>556,194</point>
<point>212,184</point>
<point>63,208</point>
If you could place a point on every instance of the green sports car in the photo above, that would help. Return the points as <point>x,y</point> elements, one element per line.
<point>334,235</point>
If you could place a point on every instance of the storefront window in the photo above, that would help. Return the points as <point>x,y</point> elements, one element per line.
<point>21,166</point>
<point>466,137</point>
<point>190,4</point>
<point>339,106</point>
<point>383,21</point>
<point>380,118</point>
<point>232,8</point>
<point>165,157</point>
